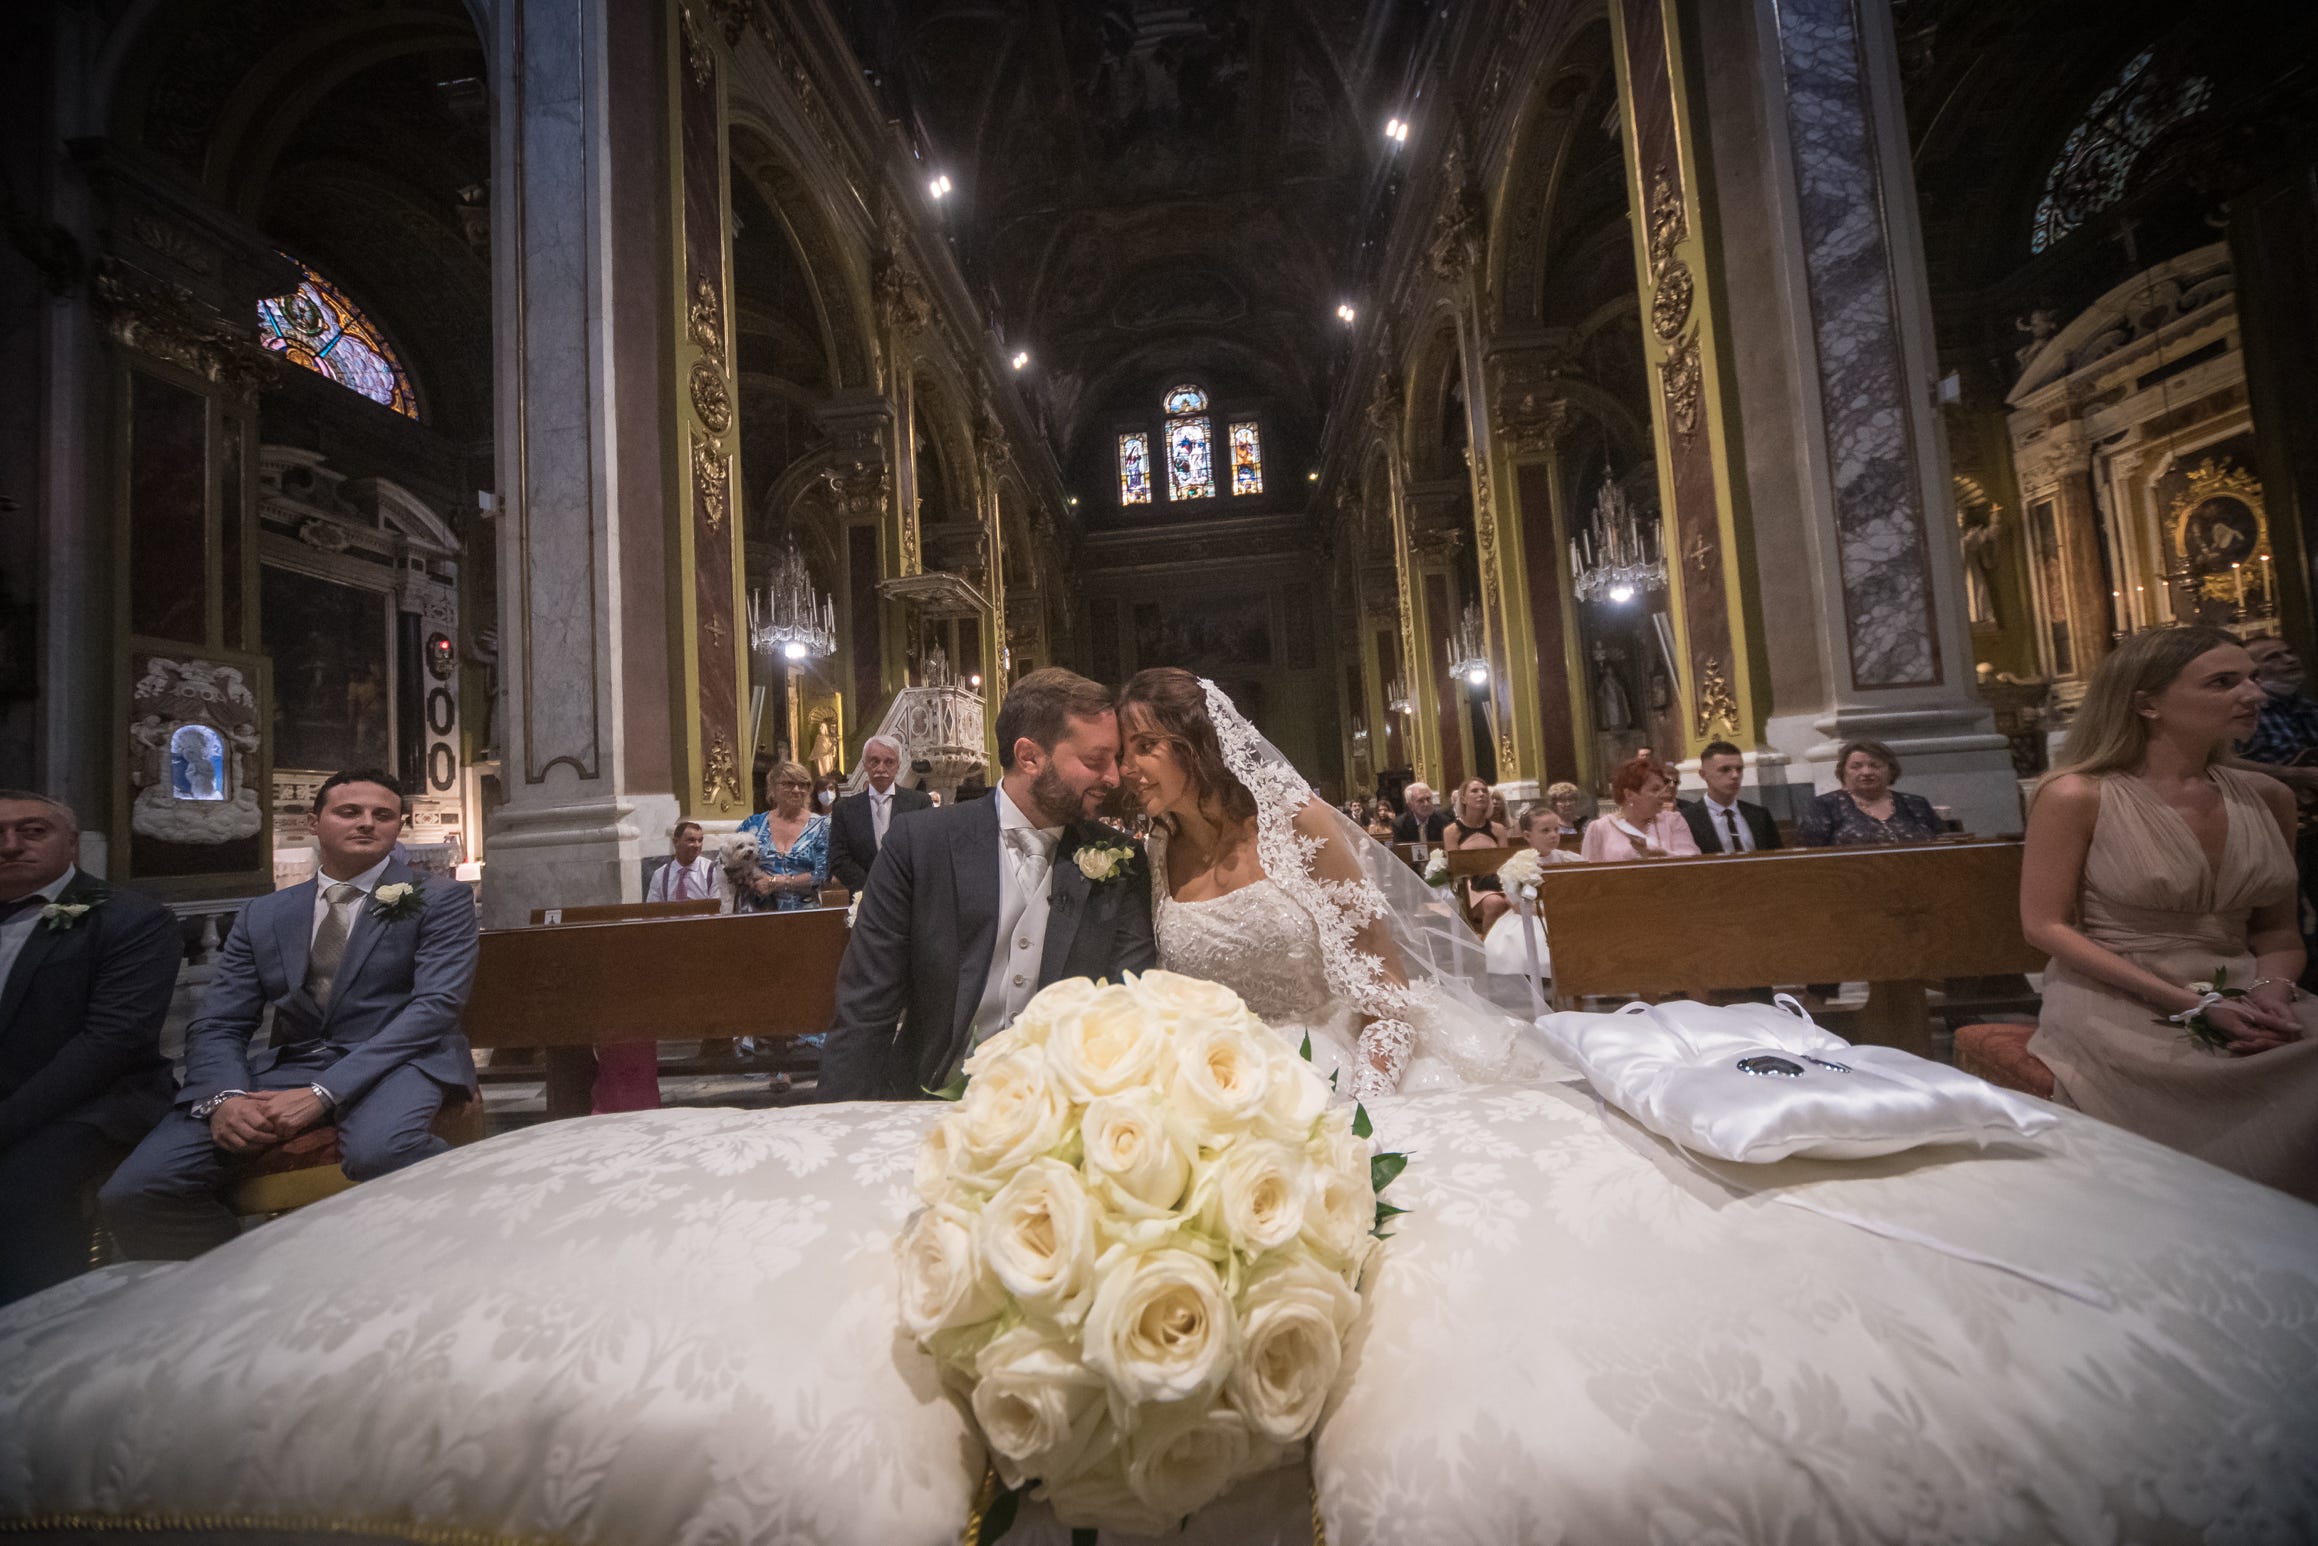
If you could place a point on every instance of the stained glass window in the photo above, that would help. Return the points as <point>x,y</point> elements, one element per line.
<point>1190,463</point>
<point>1247,459</point>
<point>1186,399</point>
<point>319,328</point>
<point>2096,161</point>
<point>1134,469</point>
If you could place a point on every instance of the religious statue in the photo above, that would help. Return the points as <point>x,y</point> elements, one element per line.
<point>1613,707</point>
<point>1979,543</point>
<point>822,758</point>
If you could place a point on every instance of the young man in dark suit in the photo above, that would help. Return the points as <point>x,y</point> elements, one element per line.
<point>366,968</point>
<point>85,977</point>
<point>859,824</point>
<point>1721,822</point>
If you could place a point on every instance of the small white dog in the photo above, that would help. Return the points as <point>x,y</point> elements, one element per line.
<point>740,859</point>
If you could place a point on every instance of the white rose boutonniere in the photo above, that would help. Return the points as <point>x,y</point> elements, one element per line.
<point>57,917</point>
<point>1099,862</point>
<point>400,900</point>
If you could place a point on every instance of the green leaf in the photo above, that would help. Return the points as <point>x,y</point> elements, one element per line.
<point>954,1090</point>
<point>1305,1051</point>
<point>1385,1212</point>
<point>1361,1126</point>
<point>1384,1168</point>
<point>1332,1073</point>
<point>999,1518</point>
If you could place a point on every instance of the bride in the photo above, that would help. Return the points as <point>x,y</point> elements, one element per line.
<point>1260,885</point>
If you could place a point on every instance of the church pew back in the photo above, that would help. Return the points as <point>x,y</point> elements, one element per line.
<point>625,912</point>
<point>1897,918</point>
<point>582,984</point>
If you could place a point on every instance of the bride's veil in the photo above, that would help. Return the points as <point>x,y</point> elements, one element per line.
<point>1365,923</point>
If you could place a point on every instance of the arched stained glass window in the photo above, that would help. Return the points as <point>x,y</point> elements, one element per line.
<point>1186,399</point>
<point>1190,460</point>
<point>319,328</point>
<point>2096,161</point>
<point>1135,469</point>
<point>1247,459</point>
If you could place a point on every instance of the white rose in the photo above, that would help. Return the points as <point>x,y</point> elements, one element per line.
<point>1261,1192</point>
<point>1160,1328</point>
<point>1131,1157</point>
<point>1107,1044</point>
<point>1221,1077</point>
<point>1099,1498</point>
<point>387,896</point>
<point>1340,1218</point>
<point>1294,1327</point>
<point>943,1284</point>
<point>1009,1115</point>
<point>1295,1100</point>
<point>1055,1002</point>
<point>1183,1460</point>
<point>931,1179</point>
<point>1037,1237</point>
<point>987,1052</point>
<point>1037,1405</point>
<point>1190,999</point>
<point>1522,871</point>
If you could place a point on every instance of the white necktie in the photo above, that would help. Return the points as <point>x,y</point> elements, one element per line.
<point>1730,825</point>
<point>1033,851</point>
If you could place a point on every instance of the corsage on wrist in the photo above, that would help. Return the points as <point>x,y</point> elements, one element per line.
<point>2197,1022</point>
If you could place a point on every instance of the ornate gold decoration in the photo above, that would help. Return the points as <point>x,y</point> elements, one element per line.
<point>990,437</point>
<point>1384,404</point>
<point>2221,571</point>
<point>1669,224</point>
<point>1526,408</point>
<point>1671,300</point>
<point>860,486</point>
<point>710,399</point>
<point>699,53</point>
<point>1508,767</point>
<point>168,322</point>
<point>719,777</point>
<point>1683,380</point>
<point>911,559</point>
<point>1717,709</point>
<point>704,319</point>
<point>1699,551</point>
<point>712,481</point>
<point>902,302</point>
<point>732,16</point>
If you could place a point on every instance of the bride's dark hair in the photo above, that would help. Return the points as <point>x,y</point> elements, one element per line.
<point>1169,701</point>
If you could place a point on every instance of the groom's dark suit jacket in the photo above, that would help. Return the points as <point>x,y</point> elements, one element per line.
<point>920,952</point>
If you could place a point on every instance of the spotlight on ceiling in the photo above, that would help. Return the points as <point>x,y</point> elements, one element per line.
<point>1346,313</point>
<point>1021,358</point>
<point>1074,499</point>
<point>1311,477</point>
<point>939,187</point>
<point>1397,131</point>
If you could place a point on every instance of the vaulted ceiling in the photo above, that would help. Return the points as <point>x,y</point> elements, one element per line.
<point>1146,189</point>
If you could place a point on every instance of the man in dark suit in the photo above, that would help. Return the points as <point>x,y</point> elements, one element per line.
<point>1721,822</point>
<point>366,967</point>
<point>972,908</point>
<point>85,977</point>
<point>1420,823</point>
<point>858,827</point>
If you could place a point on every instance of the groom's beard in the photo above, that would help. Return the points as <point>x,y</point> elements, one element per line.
<point>1058,805</point>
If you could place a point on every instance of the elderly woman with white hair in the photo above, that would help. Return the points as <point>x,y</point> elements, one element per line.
<point>857,827</point>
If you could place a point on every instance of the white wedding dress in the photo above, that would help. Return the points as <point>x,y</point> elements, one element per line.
<point>1301,945</point>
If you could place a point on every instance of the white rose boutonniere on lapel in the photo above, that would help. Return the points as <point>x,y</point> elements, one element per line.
<point>400,900</point>
<point>1099,862</point>
<point>57,917</point>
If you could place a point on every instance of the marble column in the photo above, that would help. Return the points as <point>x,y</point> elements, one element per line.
<point>582,261</point>
<point>1841,465</point>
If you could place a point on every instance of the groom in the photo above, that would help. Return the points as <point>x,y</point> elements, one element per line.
<point>970,909</point>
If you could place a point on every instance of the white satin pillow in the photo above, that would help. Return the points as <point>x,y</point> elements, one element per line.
<point>1751,1083</point>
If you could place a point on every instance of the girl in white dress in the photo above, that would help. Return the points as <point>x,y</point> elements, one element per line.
<point>1260,885</point>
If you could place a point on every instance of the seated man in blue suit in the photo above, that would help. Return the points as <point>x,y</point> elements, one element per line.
<point>366,968</point>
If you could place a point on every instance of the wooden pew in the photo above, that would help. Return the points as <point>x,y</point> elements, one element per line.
<point>624,912</point>
<point>573,986</point>
<point>1898,918</point>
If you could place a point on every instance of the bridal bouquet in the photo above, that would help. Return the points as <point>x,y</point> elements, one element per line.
<point>1520,874</point>
<point>1143,1234</point>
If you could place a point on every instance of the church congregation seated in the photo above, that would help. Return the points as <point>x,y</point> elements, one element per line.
<point>792,862</point>
<point>365,967</point>
<point>1867,809</point>
<point>2160,879</point>
<point>1419,822</point>
<point>1475,826</point>
<point>86,971</point>
<point>1644,826</point>
<point>1569,802</point>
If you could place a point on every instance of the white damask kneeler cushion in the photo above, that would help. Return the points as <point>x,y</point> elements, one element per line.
<point>668,1326</point>
<point>1578,1335</point>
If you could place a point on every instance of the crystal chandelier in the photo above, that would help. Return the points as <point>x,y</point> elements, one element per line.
<point>788,618</point>
<point>1397,699</point>
<point>1468,648</point>
<point>1617,557</point>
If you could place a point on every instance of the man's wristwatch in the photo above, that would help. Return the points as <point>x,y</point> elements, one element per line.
<point>328,1100</point>
<point>203,1110</point>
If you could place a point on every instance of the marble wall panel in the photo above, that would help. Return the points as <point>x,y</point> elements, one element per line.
<point>1879,515</point>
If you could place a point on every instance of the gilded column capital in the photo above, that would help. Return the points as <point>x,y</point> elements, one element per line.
<point>1528,408</point>
<point>169,322</point>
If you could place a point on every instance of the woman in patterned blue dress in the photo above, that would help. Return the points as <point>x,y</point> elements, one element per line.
<point>793,841</point>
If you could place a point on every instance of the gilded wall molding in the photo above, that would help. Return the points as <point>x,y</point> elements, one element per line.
<point>169,323</point>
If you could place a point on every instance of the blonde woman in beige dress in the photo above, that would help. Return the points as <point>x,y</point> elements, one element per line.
<point>2150,868</point>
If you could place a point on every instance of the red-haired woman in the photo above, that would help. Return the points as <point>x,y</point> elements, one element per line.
<point>1646,825</point>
